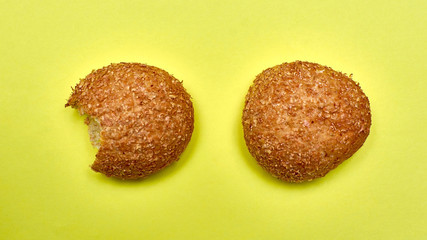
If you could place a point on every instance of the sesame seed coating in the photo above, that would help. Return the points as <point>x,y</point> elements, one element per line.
<point>302,119</point>
<point>146,118</point>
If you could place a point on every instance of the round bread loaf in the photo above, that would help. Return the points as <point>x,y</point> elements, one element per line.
<point>140,117</point>
<point>302,119</point>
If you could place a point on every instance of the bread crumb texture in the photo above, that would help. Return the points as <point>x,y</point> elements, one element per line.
<point>302,120</point>
<point>145,118</point>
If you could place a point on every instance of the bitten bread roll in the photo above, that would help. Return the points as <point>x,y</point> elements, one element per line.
<point>302,119</point>
<point>140,117</point>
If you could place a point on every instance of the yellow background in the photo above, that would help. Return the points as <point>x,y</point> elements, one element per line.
<point>216,190</point>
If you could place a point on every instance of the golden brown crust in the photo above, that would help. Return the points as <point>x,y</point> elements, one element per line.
<point>302,120</point>
<point>146,117</point>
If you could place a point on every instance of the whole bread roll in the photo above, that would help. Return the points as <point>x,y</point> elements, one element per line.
<point>302,119</point>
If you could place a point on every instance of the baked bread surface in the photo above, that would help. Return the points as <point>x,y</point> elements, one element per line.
<point>302,119</point>
<point>145,118</point>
